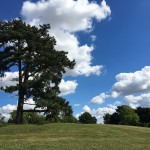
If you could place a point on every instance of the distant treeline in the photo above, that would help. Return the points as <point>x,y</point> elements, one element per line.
<point>35,118</point>
<point>126,115</point>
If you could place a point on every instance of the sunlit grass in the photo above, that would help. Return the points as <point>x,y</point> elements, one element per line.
<point>74,137</point>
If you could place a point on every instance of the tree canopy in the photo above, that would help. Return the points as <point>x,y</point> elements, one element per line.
<point>128,116</point>
<point>58,108</point>
<point>124,115</point>
<point>144,114</point>
<point>86,118</point>
<point>31,51</point>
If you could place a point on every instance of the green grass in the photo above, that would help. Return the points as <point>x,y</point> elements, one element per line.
<point>74,137</point>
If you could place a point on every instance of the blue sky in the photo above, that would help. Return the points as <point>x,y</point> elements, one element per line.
<point>121,44</point>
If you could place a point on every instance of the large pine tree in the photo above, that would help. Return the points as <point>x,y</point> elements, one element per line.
<point>40,67</point>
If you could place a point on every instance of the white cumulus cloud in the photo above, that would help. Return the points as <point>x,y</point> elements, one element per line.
<point>6,110</point>
<point>9,79</point>
<point>133,88</point>
<point>28,107</point>
<point>65,14</point>
<point>67,87</point>
<point>142,100</point>
<point>99,99</point>
<point>67,17</point>
<point>86,109</point>
<point>132,83</point>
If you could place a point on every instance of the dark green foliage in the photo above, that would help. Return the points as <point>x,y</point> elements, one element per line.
<point>144,114</point>
<point>28,118</point>
<point>114,119</point>
<point>40,67</point>
<point>57,109</point>
<point>111,119</point>
<point>128,116</point>
<point>124,115</point>
<point>86,118</point>
<point>107,118</point>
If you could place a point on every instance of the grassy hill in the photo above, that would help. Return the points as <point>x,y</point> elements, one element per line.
<point>74,137</point>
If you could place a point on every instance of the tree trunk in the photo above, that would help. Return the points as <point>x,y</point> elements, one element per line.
<point>19,115</point>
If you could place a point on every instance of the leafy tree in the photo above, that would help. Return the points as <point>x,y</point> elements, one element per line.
<point>106,118</point>
<point>86,118</point>
<point>40,67</point>
<point>128,116</point>
<point>123,115</point>
<point>111,119</point>
<point>57,109</point>
<point>144,114</point>
<point>115,118</point>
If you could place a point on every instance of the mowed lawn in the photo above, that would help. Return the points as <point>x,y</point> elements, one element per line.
<point>74,137</point>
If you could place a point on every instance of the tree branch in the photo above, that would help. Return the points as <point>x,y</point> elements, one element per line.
<point>34,110</point>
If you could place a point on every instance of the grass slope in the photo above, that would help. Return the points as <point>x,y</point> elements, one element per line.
<point>74,137</point>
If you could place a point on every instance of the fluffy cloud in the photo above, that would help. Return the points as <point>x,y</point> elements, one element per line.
<point>99,99</point>
<point>132,83</point>
<point>86,109</point>
<point>100,112</point>
<point>9,79</point>
<point>6,110</point>
<point>128,86</point>
<point>142,100</point>
<point>67,87</point>
<point>29,101</point>
<point>67,17</point>
<point>65,14</point>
